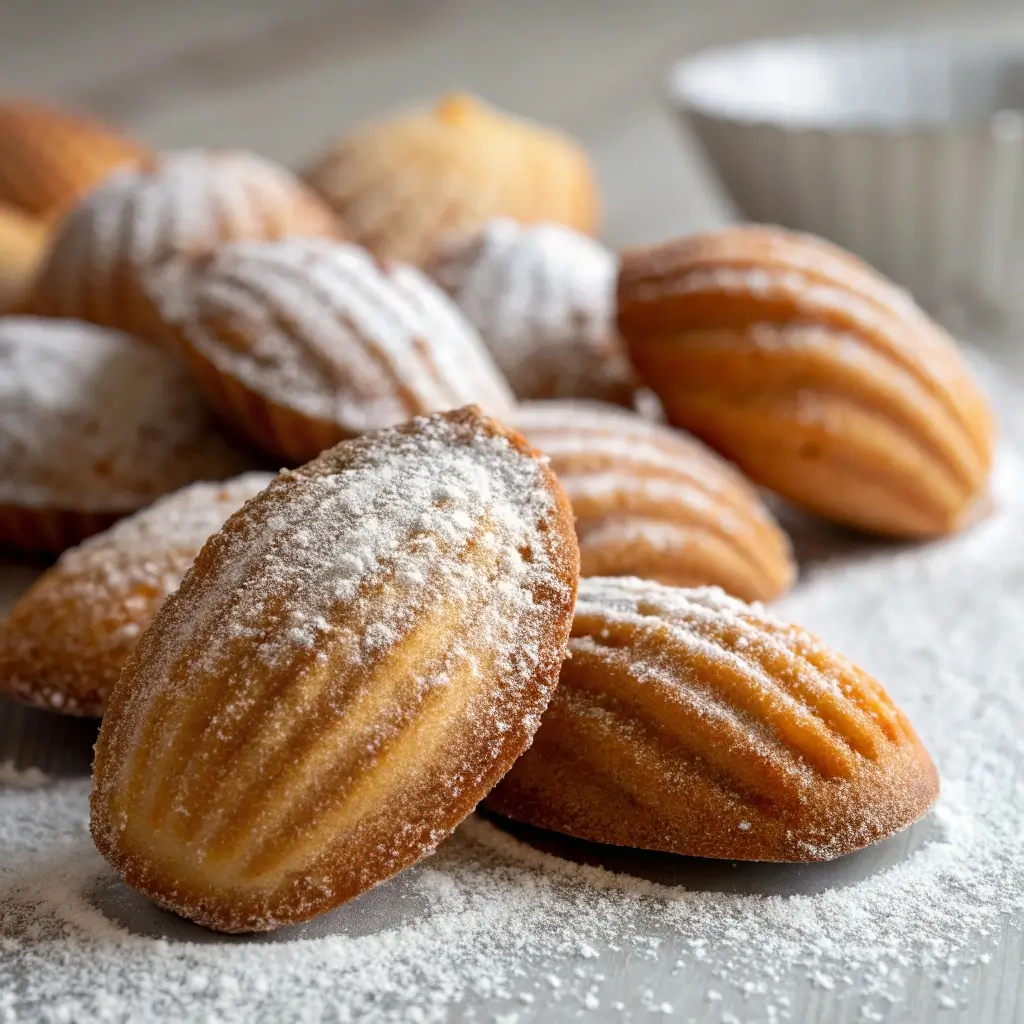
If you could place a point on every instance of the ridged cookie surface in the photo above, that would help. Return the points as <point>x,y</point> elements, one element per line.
<point>401,184</point>
<point>821,379</point>
<point>689,722</point>
<point>94,425</point>
<point>654,502</point>
<point>304,342</point>
<point>182,206</point>
<point>350,665</point>
<point>542,298</point>
<point>66,640</point>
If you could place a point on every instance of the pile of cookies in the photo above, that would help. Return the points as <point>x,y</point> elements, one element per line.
<point>495,568</point>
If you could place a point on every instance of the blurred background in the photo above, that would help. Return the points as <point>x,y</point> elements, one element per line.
<point>281,79</point>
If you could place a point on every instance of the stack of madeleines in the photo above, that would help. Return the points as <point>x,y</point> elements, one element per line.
<point>484,575</point>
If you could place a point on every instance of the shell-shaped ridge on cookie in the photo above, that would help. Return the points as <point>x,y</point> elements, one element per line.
<point>303,342</point>
<point>351,663</point>
<point>402,183</point>
<point>655,502</point>
<point>821,379</point>
<point>542,297</point>
<point>180,206</point>
<point>67,638</point>
<point>690,722</point>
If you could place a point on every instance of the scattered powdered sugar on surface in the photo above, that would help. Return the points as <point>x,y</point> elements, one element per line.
<point>493,929</point>
<point>94,420</point>
<point>12,777</point>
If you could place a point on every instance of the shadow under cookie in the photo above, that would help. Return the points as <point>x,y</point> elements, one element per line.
<point>736,877</point>
<point>57,745</point>
<point>394,903</point>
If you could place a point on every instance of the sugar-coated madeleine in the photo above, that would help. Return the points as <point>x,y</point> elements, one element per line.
<point>49,158</point>
<point>299,344</point>
<point>147,220</point>
<point>653,502</point>
<point>352,662</point>
<point>542,298</point>
<point>689,722</point>
<point>401,184</point>
<point>68,637</point>
<point>819,378</point>
<point>22,242</point>
<point>94,425</point>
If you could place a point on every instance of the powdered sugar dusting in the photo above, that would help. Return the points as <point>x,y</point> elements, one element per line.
<point>324,533</point>
<point>923,927</point>
<point>182,521</point>
<point>186,203</point>
<point>67,640</point>
<point>542,298</point>
<point>321,328</point>
<point>93,420</point>
<point>395,610</point>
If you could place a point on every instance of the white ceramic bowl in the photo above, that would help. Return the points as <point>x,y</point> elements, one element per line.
<point>906,150</point>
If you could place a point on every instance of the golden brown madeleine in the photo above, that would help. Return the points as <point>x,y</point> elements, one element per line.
<point>401,184</point>
<point>94,425</point>
<point>49,158</point>
<point>689,722</point>
<point>349,666</point>
<point>67,638</point>
<point>653,502</point>
<point>817,376</point>
<point>542,298</point>
<point>302,343</point>
<point>180,207</point>
<point>22,242</point>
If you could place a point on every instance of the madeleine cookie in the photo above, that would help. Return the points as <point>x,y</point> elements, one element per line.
<point>68,636</point>
<point>542,298</point>
<point>818,377</point>
<point>149,220</point>
<point>49,158</point>
<point>350,665</point>
<point>22,241</point>
<point>689,722</point>
<point>302,343</point>
<point>653,502</point>
<point>93,425</point>
<point>400,185</point>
